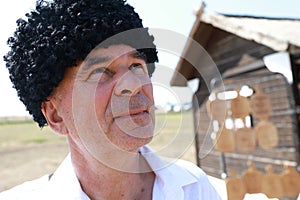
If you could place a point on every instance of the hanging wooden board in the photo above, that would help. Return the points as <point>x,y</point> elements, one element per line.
<point>217,110</point>
<point>235,187</point>
<point>224,141</point>
<point>245,140</point>
<point>252,179</point>
<point>290,180</point>
<point>271,184</point>
<point>240,107</point>
<point>260,104</point>
<point>267,135</point>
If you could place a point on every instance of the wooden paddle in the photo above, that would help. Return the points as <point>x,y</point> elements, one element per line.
<point>252,179</point>
<point>240,107</point>
<point>260,104</point>
<point>217,110</point>
<point>224,141</point>
<point>266,134</point>
<point>271,184</point>
<point>290,180</point>
<point>235,187</point>
<point>245,140</point>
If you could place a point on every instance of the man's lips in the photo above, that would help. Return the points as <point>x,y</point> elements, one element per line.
<point>132,113</point>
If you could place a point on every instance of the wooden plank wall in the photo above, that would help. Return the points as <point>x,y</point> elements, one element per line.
<point>283,116</point>
<point>228,50</point>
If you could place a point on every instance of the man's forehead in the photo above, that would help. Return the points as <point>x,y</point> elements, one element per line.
<point>112,51</point>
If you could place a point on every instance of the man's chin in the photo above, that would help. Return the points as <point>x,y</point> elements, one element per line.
<point>141,126</point>
<point>134,148</point>
<point>132,140</point>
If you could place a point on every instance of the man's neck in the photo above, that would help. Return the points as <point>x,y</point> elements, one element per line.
<point>100,181</point>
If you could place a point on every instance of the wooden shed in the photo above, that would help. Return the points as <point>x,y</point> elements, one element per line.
<point>239,46</point>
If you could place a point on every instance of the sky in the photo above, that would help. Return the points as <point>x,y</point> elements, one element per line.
<point>174,15</point>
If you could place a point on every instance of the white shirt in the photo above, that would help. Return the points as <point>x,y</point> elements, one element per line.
<point>180,180</point>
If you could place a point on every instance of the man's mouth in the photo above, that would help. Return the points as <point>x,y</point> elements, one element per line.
<point>133,113</point>
<point>132,119</point>
<point>136,112</point>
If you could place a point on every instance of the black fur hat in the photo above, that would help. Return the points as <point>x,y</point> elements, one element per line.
<point>59,33</point>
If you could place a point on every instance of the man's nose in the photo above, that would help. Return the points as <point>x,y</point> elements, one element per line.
<point>128,84</point>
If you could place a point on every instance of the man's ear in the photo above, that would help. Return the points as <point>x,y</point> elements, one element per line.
<point>53,119</point>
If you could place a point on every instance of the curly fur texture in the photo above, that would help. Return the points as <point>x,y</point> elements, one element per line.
<point>59,33</point>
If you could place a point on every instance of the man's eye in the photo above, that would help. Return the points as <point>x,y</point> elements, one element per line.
<point>137,69</point>
<point>97,71</point>
<point>100,75</point>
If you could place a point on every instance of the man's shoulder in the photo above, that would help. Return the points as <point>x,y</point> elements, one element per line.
<point>26,190</point>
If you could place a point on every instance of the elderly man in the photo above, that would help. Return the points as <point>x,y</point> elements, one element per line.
<point>83,67</point>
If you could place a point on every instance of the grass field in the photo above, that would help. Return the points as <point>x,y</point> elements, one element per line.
<point>28,152</point>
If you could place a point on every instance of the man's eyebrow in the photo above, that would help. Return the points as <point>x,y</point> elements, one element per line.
<point>94,60</point>
<point>138,54</point>
<point>90,61</point>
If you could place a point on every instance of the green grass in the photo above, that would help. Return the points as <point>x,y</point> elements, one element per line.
<point>173,134</point>
<point>26,133</point>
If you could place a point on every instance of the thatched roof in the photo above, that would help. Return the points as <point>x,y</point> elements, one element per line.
<point>277,34</point>
<point>274,33</point>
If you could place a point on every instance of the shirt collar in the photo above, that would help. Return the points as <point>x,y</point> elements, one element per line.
<point>64,183</point>
<point>170,178</point>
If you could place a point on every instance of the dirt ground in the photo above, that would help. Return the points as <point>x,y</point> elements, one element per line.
<point>27,152</point>
<point>29,162</point>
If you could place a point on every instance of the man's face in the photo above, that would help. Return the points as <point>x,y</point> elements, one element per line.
<point>107,101</point>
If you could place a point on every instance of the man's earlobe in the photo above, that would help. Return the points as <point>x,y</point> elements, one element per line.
<point>53,119</point>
